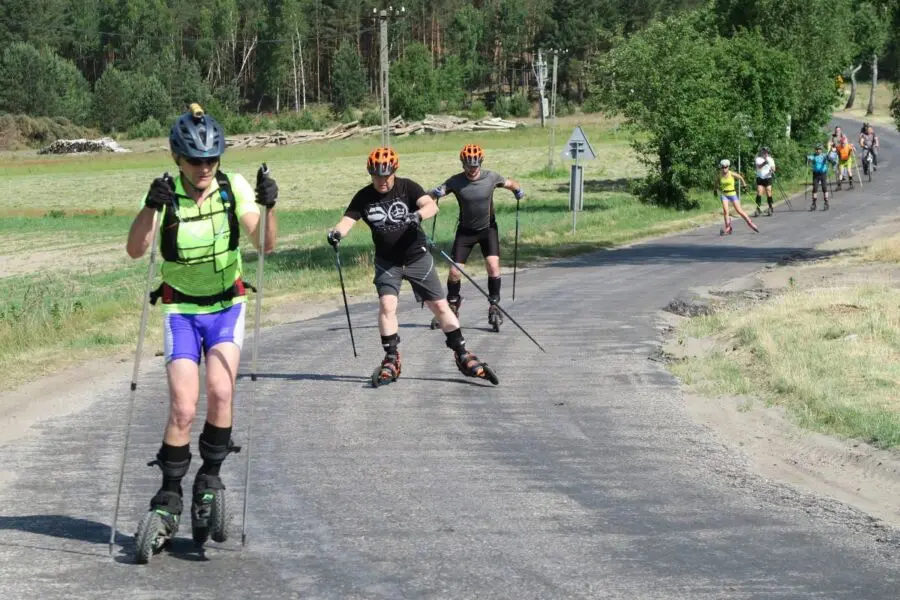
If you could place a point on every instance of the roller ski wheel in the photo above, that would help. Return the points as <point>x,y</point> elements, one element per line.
<point>387,372</point>
<point>469,365</point>
<point>495,318</point>
<point>153,534</point>
<point>209,511</point>
<point>158,526</point>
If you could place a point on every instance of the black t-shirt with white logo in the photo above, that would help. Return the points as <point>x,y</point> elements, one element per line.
<point>384,213</point>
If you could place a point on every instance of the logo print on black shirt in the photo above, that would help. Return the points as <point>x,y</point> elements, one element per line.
<point>398,211</point>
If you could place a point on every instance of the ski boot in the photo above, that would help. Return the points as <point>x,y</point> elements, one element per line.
<point>454,306</point>
<point>726,230</point>
<point>495,316</point>
<point>388,371</point>
<point>757,211</point>
<point>850,187</point>
<point>771,210</point>
<point>825,207</point>
<point>469,365</point>
<point>209,513</point>
<point>158,526</point>
<point>210,517</point>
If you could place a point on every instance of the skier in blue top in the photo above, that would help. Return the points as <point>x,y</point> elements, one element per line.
<point>819,165</point>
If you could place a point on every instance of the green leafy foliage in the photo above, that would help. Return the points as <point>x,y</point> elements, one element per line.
<point>414,84</point>
<point>148,128</point>
<point>41,83</point>
<point>698,91</point>
<point>122,98</point>
<point>348,84</point>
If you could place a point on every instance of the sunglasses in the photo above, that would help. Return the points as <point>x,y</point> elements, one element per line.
<point>196,162</point>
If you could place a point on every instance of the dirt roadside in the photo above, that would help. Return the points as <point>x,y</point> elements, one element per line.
<point>849,471</point>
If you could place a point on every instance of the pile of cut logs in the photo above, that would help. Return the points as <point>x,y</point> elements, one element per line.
<point>398,128</point>
<point>76,146</point>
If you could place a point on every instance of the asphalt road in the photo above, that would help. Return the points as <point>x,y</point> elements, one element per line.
<point>580,476</point>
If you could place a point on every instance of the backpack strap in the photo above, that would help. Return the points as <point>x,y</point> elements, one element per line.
<point>234,229</point>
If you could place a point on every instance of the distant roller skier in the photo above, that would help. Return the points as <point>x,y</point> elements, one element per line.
<point>474,190</point>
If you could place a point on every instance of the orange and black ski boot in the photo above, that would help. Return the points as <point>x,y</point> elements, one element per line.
<point>388,371</point>
<point>469,365</point>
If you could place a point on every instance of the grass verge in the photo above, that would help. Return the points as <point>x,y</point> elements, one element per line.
<point>830,355</point>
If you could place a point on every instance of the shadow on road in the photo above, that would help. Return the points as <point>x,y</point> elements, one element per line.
<point>62,526</point>
<point>662,253</point>
<point>366,381</point>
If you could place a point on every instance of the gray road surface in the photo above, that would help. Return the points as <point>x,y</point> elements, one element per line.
<point>580,476</point>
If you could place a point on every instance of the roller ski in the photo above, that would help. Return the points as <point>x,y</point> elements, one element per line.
<point>388,371</point>
<point>158,527</point>
<point>727,230</point>
<point>495,317</point>
<point>454,306</point>
<point>209,512</point>
<point>469,365</point>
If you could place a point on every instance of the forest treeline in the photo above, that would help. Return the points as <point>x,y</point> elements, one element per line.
<point>695,78</point>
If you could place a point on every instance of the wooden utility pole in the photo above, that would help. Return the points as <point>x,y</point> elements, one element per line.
<point>553,110</point>
<point>385,84</point>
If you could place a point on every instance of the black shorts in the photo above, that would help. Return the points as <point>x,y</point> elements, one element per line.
<point>488,239</point>
<point>819,179</point>
<point>419,272</point>
<point>764,182</point>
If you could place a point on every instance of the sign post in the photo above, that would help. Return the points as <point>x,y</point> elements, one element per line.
<point>577,148</point>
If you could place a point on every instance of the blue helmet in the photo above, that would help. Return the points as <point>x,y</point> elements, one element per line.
<point>197,135</point>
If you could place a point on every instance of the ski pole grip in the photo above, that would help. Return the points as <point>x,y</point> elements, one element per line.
<point>262,173</point>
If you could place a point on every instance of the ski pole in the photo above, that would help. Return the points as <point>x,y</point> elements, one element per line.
<point>445,256</point>
<point>337,260</point>
<point>433,227</point>
<point>516,252</point>
<point>145,308</point>
<point>858,175</point>
<point>784,194</point>
<point>264,219</point>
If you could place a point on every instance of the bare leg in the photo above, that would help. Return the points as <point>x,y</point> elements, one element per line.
<point>740,211</point>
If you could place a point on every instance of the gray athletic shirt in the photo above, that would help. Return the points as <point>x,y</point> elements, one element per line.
<point>476,198</point>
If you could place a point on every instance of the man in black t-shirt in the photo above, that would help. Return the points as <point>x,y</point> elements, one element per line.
<point>393,208</point>
<point>474,191</point>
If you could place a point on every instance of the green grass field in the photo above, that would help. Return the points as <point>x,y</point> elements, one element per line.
<point>71,291</point>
